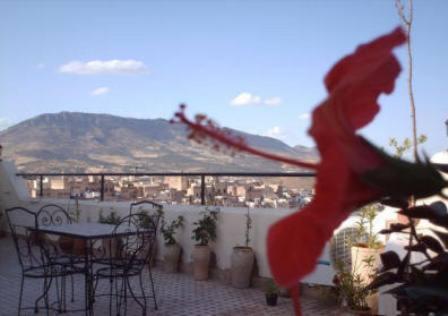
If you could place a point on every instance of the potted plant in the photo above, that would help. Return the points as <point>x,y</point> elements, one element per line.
<point>419,279</point>
<point>366,248</point>
<point>172,248</point>
<point>365,252</point>
<point>243,259</point>
<point>271,293</point>
<point>351,292</point>
<point>204,232</point>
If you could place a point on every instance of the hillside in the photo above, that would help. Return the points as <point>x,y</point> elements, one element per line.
<point>70,141</point>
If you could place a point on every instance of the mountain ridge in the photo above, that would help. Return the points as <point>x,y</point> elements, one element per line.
<point>81,142</point>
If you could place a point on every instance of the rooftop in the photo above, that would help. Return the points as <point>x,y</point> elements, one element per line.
<point>177,294</point>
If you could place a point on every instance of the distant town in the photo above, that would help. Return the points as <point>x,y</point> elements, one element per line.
<point>219,191</point>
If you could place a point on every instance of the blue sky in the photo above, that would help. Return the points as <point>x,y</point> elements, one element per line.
<point>252,65</point>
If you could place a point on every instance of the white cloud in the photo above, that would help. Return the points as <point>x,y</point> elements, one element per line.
<point>103,67</point>
<point>247,98</point>
<point>274,101</point>
<point>100,91</point>
<point>304,116</point>
<point>275,132</point>
<point>40,66</point>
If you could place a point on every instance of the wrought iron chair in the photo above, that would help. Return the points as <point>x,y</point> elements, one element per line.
<point>33,253</point>
<point>62,252</point>
<point>134,238</point>
<point>155,212</point>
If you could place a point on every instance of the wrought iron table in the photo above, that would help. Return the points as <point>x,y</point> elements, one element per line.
<point>89,233</point>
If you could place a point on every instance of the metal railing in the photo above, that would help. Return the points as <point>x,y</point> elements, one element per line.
<point>202,176</point>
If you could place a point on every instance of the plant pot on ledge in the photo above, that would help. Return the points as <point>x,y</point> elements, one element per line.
<point>271,293</point>
<point>203,233</point>
<point>201,261</point>
<point>172,248</point>
<point>271,299</point>
<point>171,258</point>
<point>242,263</point>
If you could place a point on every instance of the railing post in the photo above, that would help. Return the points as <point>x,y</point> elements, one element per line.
<point>202,189</point>
<point>102,187</point>
<point>41,185</point>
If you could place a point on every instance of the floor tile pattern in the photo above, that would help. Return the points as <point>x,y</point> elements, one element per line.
<point>177,295</point>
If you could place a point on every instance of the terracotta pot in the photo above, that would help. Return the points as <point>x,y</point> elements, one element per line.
<point>242,263</point>
<point>359,265</point>
<point>79,247</point>
<point>111,247</point>
<point>171,258</point>
<point>201,260</point>
<point>66,244</point>
<point>372,301</point>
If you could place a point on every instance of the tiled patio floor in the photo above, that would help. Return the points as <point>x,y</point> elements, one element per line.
<point>177,294</point>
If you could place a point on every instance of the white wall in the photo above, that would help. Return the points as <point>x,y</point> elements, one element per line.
<point>231,224</point>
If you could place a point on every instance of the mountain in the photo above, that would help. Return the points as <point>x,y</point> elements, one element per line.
<point>81,142</point>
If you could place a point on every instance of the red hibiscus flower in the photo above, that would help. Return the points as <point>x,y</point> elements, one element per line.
<point>352,172</point>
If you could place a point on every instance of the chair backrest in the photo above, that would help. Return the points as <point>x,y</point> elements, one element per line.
<point>23,225</point>
<point>133,241</point>
<point>152,209</point>
<point>52,214</point>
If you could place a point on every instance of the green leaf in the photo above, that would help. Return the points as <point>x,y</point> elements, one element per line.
<point>432,244</point>
<point>390,260</point>
<point>395,202</point>
<point>442,236</point>
<point>419,247</point>
<point>439,263</point>
<point>383,279</point>
<point>401,179</point>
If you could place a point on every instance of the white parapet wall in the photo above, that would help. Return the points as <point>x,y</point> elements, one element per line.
<point>230,233</point>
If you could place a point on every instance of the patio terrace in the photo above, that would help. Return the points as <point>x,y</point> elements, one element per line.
<point>177,294</point>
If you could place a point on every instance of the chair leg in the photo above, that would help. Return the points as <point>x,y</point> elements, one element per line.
<point>63,293</point>
<point>143,306</point>
<point>21,295</point>
<point>73,288</point>
<point>143,294</point>
<point>58,295</point>
<point>152,287</point>
<point>125,287</point>
<point>43,296</point>
<point>111,291</point>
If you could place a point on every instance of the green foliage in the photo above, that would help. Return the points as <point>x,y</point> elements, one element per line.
<point>169,230</point>
<point>364,225</point>
<point>350,290</point>
<point>271,288</point>
<point>112,218</point>
<point>406,144</point>
<point>205,230</point>
<point>423,288</point>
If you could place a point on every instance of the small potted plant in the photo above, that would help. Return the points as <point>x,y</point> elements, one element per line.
<point>365,252</point>
<point>243,259</point>
<point>271,293</point>
<point>366,248</point>
<point>204,232</point>
<point>172,248</point>
<point>419,286</point>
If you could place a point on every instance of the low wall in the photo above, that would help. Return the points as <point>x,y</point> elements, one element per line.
<point>230,233</point>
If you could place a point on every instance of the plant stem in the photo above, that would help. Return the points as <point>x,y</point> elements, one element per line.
<point>407,21</point>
